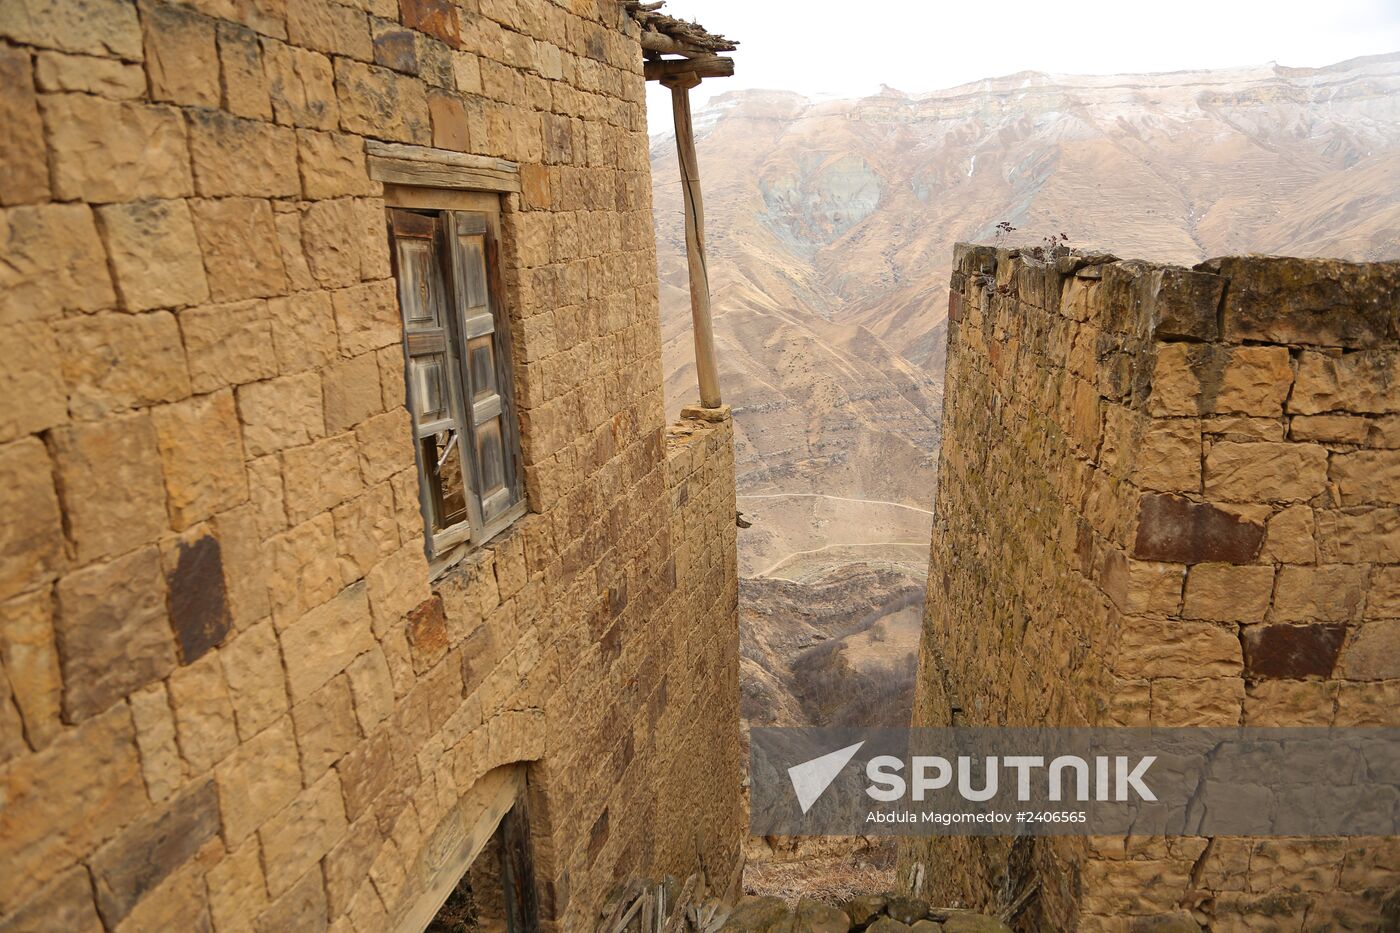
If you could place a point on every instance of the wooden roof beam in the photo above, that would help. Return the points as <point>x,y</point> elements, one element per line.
<point>710,66</point>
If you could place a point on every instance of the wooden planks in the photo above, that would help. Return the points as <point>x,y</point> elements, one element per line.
<point>422,166</point>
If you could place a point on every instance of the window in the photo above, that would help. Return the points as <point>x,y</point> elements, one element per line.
<point>457,368</point>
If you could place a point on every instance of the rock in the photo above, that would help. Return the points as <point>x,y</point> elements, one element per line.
<point>1171,528</point>
<point>1265,472</point>
<point>1179,922</point>
<point>295,839</point>
<point>302,86</point>
<point>233,233</point>
<point>1307,301</point>
<point>261,777</point>
<point>1292,651</point>
<point>864,908</point>
<point>816,917</point>
<point>154,254</point>
<point>203,460</point>
<point>758,915</point>
<point>1374,653</point>
<point>887,925</point>
<point>282,412</point>
<point>323,642</point>
<point>378,102</point>
<point>54,262</point>
<point>181,56</point>
<point>115,361</point>
<point>25,179</point>
<point>906,909</point>
<point>113,151</point>
<point>969,921</point>
<point>31,537</point>
<point>250,158</point>
<point>925,926</point>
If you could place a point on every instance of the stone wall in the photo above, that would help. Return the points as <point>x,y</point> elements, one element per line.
<point>1167,497</point>
<point>230,698</point>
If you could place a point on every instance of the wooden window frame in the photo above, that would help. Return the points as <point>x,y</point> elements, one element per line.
<point>449,219</point>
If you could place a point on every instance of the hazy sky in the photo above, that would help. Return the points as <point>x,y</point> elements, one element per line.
<point>849,49</point>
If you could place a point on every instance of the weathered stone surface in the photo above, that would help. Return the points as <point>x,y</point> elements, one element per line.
<point>1374,652</point>
<point>352,392</point>
<point>115,361</point>
<point>382,450</point>
<point>1168,455</point>
<point>26,178</point>
<point>326,727</point>
<point>111,475</point>
<point>245,85</point>
<point>161,764</point>
<point>198,597</point>
<point>302,86</point>
<point>1333,429</point>
<point>323,642</point>
<point>280,413</point>
<point>366,531</point>
<point>757,913</point>
<point>1290,538</point>
<point>320,476</point>
<point>105,77</point>
<point>65,801</point>
<point>394,46</point>
<point>66,905</point>
<point>181,59</point>
<point>379,102</point>
<point>54,262</point>
<point>150,851</point>
<point>1308,301</point>
<point>112,632</point>
<point>332,165</point>
<point>348,863</point>
<point>227,344</point>
<point>332,249</point>
<point>260,778</point>
<point>232,234</point>
<point>366,772</point>
<point>1367,476</point>
<point>237,890</point>
<point>887,925</point>
<point>449,119</point>
<point>103,27</point>
<point>154,254</point>
<point>1292,651</point>
<point>815,917</point>
<point>30,660</point>
<point>242,157</point>
<point>1165,648</point>
<point>201,449</point>
<point>427,633</point>
<point>31,537</point>
<point>115,151</point>
<point>329,27</point>
<point>966,921</point>
<point>397,585</point>
<point>305,572</point>
<point>1142,587</point>
<point>906,909</point>
<point>296,838</point>
<point>1328,593</point>
<point>1183,304</point>
<point>372,689</point>
<point>1360,383</point>
<point>303,331</point>
<point>1228,593</point>
<point>257,685</point>
<point>1358,535</point>
<point>302,908</point>
<point>1171,528</point>
<point>1265,472</point>
<point>203,713</point>
<point>435,17</point>
<point>1255,381</point>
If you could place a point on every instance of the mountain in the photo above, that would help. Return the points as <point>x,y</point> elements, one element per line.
<point>830,227</point>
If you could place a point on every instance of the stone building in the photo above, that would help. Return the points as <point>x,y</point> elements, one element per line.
<point>1167,497</point>
<point>287,640</point>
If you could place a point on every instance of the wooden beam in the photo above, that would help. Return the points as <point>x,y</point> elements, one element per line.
<point>439,168</point>
<point>653,41</point>
<point>707,371</point>
<point>712,66</point>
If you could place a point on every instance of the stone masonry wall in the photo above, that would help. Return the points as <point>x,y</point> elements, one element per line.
<point>1167,497</point>
<point>230,698</point>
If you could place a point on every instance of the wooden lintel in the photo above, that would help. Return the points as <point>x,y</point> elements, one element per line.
<point>712,66</point>
<point>439,168</point>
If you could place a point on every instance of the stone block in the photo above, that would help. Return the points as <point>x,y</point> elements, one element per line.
<point>66,904</point>
<point>261,777</point>
<point>65,801</point>
<point>366,531</point>
<point>351,390</point>
<point>30,371</point>
<point>1328,593</point>
<point>233,235</point>
<point>329,27</point>
<point>115,361</point>
<point>375,101</point>
<point>181,59</point>
<point>366,772</point>
<point>1290,538</point>
<point>227,344</point>
<point>333,165</point>
<point>320,476</point>
<point>1168,455</point>
<point>1183,304</point>
<point>1292,652</point>
<point>303,331</point>
<point>1374,652</point>
<point>372,689</point>
<point>437,18</point>
<point>204,718</point>
<point>322,643</point>
<point>449,119</point>
<point>1172,528</point>
<point>154,254</point>
<point>1228,592</point>
<point>397,585</point>
<point>1142,587</point>
<point>302,85</point>
<point>367,317</point>
<point>106,151</point>
<point>1209,702</point>
<point>1313,302</point>
<point>295,839</point>
<point>161,764</point>
<point>26,177</point>
<point>105,27</point>
<point>1329,429</point>
<point>30,660</point>
<point>394,46</point>
<point>372,229</point>
<point>149,851</point>
<point>54,262</point>
<point>236,157</point>
<point>1367,476</point>
<point>1289,703</point>
<point>1358,535</point>
<point>31,537</point>
<point>386,447</point>
<point>305,570</point>
<point>199,609</point>
<point>332,248</point>
<point>237,890</point>
<point>301,908</point>
<point>202,453</point>
<point>326,727</point>
<point>347,865</point>
<point>104,77</point>
<point>1255,381</point>
<point>1383,596</point>
<point>245,85</point>
<point>280,413</point>
<point>1356,383</point>
<point>111,474</point>
<point>1265,472</point>
<point>257,685</point>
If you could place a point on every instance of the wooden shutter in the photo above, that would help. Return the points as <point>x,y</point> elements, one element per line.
<point>432,376</point>
<point>488,410</point>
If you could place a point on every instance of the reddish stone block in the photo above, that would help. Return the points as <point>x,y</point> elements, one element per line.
<point>1292,652</point>
<point>1171,528</point>
<point>198,598</point>
<point>435,17</point>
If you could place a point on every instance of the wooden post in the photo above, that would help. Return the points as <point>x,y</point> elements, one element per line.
<point>705,367</point>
